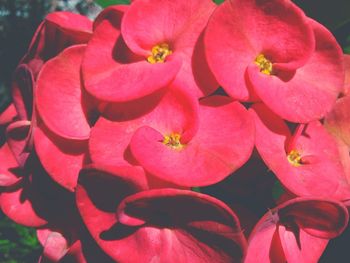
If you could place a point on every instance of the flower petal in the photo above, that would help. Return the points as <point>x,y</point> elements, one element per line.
<point>180,225</point>
<point>23,91</point>
<point>98,194</point>
<point>60,100</point>
<point>320,173</point>
<point>176,23</point>
<point>112,73</point>
<point>10,173</point>
<point>54,151</point>
<point>310,92</point>
<point>238,31</point>
<point>19,138</point>
<point>8,115</point>
<point>205,159</point>
<point>175,111</point>
<point>23,206</point>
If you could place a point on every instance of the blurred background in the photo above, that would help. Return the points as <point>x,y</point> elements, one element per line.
<point>18,22</point>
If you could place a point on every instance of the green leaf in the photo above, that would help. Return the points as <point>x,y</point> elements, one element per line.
<point>219,1</point>
<point>196,189</point>
<point>277,190</point>
<point>106,3</point>
<point>347,50</point>
<point>17,243</point>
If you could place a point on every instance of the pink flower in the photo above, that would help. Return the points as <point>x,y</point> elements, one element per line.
<point>58,31</point>
<point>307,163</point>
<point>160,225</point>
<point>270,50</point>
<point>178,141</point>
<point>296,231</point>
<point>66,114</point>
<point>132,55</point>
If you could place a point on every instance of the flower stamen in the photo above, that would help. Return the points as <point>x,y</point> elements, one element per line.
<point>264,64</point>
<point>159,53</point>
<point>294,158</point>
<point>173,141</point>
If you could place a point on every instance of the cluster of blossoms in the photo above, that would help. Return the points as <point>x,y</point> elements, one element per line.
<point>115,124</point>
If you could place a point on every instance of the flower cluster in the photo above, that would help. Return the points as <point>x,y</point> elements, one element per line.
<point>157,133</point>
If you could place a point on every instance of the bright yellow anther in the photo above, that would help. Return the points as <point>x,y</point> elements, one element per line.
<point>294,158</point>
<point>173,141</point>
<point>264,64</point>
<point>159,53</point>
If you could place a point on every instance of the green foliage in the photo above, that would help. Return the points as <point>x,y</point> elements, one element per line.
<point>346,46</point>
<point>277,190</point>
<point>17,243</point>
<point>219,1</point>
<point>196,189</point>
<point>105,3</point>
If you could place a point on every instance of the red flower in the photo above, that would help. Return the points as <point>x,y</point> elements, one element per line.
<point>65,111</point>
<point>133,55</point>
<point>307,163</point>
<point>272,50</point>
<point>296,231</point>
<point>163,225</point>
<point>169,143</point>
<point>58,31</point>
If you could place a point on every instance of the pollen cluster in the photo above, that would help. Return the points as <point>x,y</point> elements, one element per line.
<point>159,53</point>
<point>264,64</point>
<point>294,158</point>
<point>173,141</point>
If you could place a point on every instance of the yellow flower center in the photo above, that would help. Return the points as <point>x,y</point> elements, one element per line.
<point>173,141</point>
<point>264,64</point>
<point>159,53</point>
<point>294,158</point>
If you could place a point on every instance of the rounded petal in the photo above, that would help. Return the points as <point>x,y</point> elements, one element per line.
<point>175,111</point>
<point>338,120</point>
<point>203,77</point>
<point>239,31</point>
<point>23,206</point>
<point>320,172</point>
<point>183,224</point>
<point>112,73</point>
<point>181,27</point>
<point>320,218</point>
<point>205,159</point>
<point>19,138</point>
<point>55,246</point>
<point>54,151</point>
<point>23,91</point>
<point>76,24</point>
<point>264,243</point>
<point>113,12</point>
<point>176,23</point>
<point>310,92</point>
<point>98,194</point>
<point>10,173</point>
<point>296,231</point>
<point>301,247</point>
<point>59,100</point>
<point>8,115</point>
<point>58,31</point>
